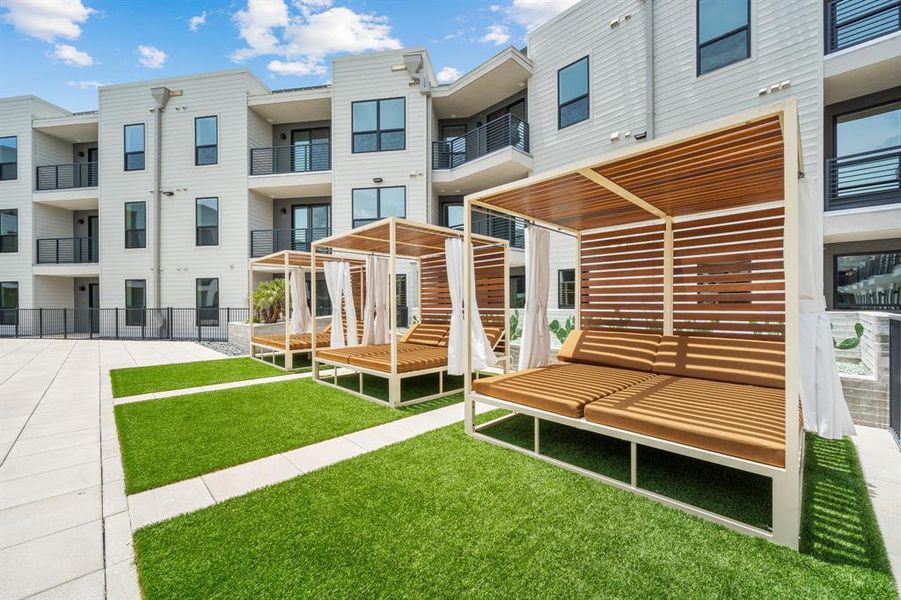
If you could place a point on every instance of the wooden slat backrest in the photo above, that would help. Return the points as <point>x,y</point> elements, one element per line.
<point>435,305</point>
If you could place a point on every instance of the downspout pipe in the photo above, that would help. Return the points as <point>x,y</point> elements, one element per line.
<point>161,95</point>
<point>650,111</point>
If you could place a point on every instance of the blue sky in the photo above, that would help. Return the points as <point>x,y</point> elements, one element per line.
<point>61,50</point>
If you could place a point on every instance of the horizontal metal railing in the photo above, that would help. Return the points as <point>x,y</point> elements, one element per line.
<point>198,324</point>
<point>864,179</point>
<point>64,177</point>
<point>503,132</point>
<point>501,227</point>
<point>853,22</point>
<point>267,241</point>
<point>290,159</point>
<point>68,250</point>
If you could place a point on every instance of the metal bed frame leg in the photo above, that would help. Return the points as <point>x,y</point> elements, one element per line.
<point>633,464</point>
<point>394,391</point>
<point>537,435</point>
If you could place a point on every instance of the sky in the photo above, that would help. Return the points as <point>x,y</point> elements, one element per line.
<point>61,50</point>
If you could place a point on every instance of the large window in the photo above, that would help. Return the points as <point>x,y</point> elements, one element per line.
<point>868,281</point>
<point>572,93</point>
<point>9,158</point>
<point>208,301</point>
<point>206,140</point>
<point>9,302</point>
<point>724,33</point>
<point>9,230</point>
<point>207,222</point>
<point>134,147</point>
<point>310,150</point>
<point>135,224</point>
<point>452,214</point>
<point>566,288</point>
<point>135,302</point>
<point>379,125</point>
<point>372,204</point>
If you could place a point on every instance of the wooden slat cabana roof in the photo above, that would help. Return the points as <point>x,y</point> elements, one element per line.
<point>297,258</point>
<point>725,164</point>
<point>414,240</point>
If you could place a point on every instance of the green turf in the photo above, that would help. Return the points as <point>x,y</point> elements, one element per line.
<point>447,516</point>
<point>168,440</point>
<point>410,387</point>
<point>161,378</point>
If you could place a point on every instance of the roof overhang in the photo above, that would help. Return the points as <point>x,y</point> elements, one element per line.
<point>74,129</point>
<point>297,106</point>
<point>496,79</point>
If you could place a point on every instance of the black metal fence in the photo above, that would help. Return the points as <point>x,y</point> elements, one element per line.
<point>267,241</point>
<point>201,325</point>
<point>291,159</point>
<point>68,250</point>
<point>64,177</point>
<point>864,179</point>
<point>503,132</point>
<point>853,22</point>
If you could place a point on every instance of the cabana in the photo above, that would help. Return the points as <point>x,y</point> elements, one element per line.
<point>424,347</point>
<point>687,310</point>
<point>300,326</point>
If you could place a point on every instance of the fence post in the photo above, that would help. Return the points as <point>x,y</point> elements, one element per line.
<point>169,320</point>
<point>65,323</point>
<point>116,315</point>
<point>41,323</point>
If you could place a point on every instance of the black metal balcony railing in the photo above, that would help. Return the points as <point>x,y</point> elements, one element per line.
<point>503,132</point>
<point>290,159</point>
<point>267,241</point>
<point>64,177</point>
<point>500,227</point>
<point>68,250</point>
<point>865,179</point>
<point>853,22</point>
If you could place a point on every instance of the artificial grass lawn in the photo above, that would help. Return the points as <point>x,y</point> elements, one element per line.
<point>162,378</point>
<point>168,440</point>
<point>410,387</point>
<point>444,515</point>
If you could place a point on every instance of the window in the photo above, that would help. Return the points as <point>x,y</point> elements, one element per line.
<point>207,222</point>
<point>206,140</point>
<point>378,125</point>
<point>135,302</point>
<point>9,230</point>
<point>452,214</point>
<point>870,281</point>
<point>724,33</point>
<point>566,288</point>
<point>454,137</point>
<point>572,93</point>
<point>310,150</point>
<point>372,204</point>
<point>134,147</point>
<point>9,158</point>
<point>9,302</point>
<point>208,302</point>
<point>135,224</point>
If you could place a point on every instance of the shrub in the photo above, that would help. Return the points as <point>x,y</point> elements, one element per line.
<point>269,301</point>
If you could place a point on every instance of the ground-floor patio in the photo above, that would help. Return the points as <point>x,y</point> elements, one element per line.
<point>66,523</point>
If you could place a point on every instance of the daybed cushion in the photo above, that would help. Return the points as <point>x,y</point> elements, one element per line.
<point>410,357</point>
<point>563,389</point>
<point>610,348</point>
<point>430,334</point>
<point>343,355</point>
<point>298,341</point>
<point>734,360</point>
<point>738,420</point>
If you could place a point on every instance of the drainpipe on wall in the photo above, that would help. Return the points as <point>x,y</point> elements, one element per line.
<point>161,95</point>
<point>650,115</point>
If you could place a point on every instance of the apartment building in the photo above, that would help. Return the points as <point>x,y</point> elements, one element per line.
<point>158,198</point>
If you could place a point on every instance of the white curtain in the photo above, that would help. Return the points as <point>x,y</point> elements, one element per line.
<point>300,312</point>
<point>825,410</point>
<point>535,349</point>
<point>381,324</point>
<point>369,304</point>
<point>482,354</point>
<point>350,309</point>
<point>334,282</point>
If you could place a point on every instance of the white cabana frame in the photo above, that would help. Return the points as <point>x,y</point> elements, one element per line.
<point>758,151</point>
<point>399,239</point>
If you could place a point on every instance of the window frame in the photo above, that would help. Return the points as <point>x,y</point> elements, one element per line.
<point>699,44</point>
<point>561,305</point>
<point>355,222</point>
<point>15,211</point>
<point>129,310</point>
<point>126,153</point>
<point>197,226</point>
<point>199,147</point>
<point>16,162</point>
<point>125,225</point>
<point>206,322</point>
<point>378,131</point>
<point>834,290</point>
<point>586,95</point>
<point>6,318</point>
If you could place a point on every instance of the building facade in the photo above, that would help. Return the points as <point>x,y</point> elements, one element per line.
<point>159,197</point>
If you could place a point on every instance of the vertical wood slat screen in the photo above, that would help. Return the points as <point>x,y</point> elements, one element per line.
<point>435,305</point>
<point>728,277</point>
<point>622,279</point>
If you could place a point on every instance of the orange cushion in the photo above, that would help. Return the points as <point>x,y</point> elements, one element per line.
<point>410,357</point>
<point>610,348</point>
<point>430,334</point>
<point>563,389</point>
<point>734,360</point>
<point>738,420</point>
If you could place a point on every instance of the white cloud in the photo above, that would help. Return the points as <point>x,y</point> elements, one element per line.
<point>448,74</point>
<point>495,8</point>
<point>532,13</point>
<point>47,20</point>
<point>195,22</point>
<point>70,55</point>
<point>256,25</point>
<point>83,85</point>
<point>298,68</point>
<point>496,34</point>
<point>150,57</point>
<point>339,29</point>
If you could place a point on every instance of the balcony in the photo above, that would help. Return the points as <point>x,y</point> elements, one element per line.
<point>864,179</point>
<point>67,177</point>
<point>291,171</point>
<point>74,250</point>
<point>853,22</point>
<point>268,241</point>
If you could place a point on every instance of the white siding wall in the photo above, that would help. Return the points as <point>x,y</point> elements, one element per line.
<point>54,292</point>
